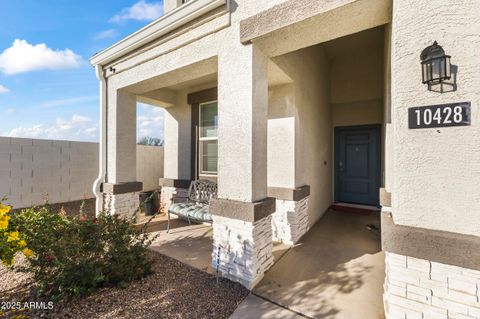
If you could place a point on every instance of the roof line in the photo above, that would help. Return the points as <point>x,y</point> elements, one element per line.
<point>161,26</point>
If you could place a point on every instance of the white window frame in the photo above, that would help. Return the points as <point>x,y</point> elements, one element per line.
<point>203,139</point>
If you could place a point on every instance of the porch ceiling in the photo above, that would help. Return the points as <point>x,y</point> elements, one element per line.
<point>191,73</point>
<point>162,89</point>
<point>350,45</point>
<point>276,76</point>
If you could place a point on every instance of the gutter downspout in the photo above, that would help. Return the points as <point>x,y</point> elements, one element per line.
<point>102,174</point>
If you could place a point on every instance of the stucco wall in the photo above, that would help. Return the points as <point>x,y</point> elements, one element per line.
<point>121,135</point>
<point>281,136</point>
<point>184,55</point>
<point>388,176</point>
<point>356,89</point>
<point>326,93</point>
<point>177,138</point>
<point>309,69</point>
<point>436,171</point>
<point>169,5</point>
<point>65,171</point>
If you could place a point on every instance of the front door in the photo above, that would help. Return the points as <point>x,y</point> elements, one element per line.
<point>357,164</point>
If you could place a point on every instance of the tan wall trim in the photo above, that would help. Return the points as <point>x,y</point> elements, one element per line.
<point>434,245</point>
<point>121,188</point>
<point>170,182</point>
<point>202,96</point>
<point>293,194</point>
<point>249,212</point>
<point>385,198</point>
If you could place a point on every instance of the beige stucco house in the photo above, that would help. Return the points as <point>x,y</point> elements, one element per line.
<point>292,105</point>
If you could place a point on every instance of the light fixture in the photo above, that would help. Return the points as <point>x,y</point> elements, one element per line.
<point>435,65</point>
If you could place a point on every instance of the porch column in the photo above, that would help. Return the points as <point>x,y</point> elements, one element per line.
<point>121,188</point>
<point>286,182</point>
<point>242,232</point>
<point>177,152</point>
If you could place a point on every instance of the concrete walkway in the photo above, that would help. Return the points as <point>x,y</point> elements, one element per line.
<point>255,307</point>
<point>336,271</point>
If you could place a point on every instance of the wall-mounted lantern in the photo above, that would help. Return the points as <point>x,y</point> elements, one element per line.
<point>435,65</point>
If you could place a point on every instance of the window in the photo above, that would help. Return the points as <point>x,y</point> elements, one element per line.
<point>208,138</point>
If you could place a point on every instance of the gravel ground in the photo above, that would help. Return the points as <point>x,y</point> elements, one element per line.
<point>174,290</point>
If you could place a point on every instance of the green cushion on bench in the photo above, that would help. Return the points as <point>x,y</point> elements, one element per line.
<point>192,210</point>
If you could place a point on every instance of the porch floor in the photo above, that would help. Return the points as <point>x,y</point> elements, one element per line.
<point>336,271</point>
<point>191,244</point>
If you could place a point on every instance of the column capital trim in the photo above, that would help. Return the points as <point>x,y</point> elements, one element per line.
<point>121,188</point>
<point>246,211</point>
<point>439,246</point>
<point>172,182</point>
<point>292,194</point>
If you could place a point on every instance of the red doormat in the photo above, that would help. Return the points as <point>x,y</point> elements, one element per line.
<point>352,210</point>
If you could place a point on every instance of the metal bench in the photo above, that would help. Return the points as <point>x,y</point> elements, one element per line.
<point>195,208</point>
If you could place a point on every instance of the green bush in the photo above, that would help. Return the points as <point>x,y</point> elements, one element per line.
<point>75,256</point>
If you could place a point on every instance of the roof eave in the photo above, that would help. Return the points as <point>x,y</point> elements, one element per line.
<point>161,26</point>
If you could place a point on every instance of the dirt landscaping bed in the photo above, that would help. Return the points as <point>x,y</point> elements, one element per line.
<point>71,208</point>
<point>174,290</point>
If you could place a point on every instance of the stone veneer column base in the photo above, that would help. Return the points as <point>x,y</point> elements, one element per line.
<point>125,205</point>
<point>169,195</point>
<point>418,288</point>
<point>290,220</point>
<point>242,250</point>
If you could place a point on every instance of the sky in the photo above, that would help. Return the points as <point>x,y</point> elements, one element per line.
<point>48,88</point>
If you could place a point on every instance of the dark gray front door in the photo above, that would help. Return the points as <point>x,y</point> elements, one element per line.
<point>357,164</point>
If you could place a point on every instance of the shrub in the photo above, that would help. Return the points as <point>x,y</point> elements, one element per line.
<point>76,255</point>
<point>11,240</point>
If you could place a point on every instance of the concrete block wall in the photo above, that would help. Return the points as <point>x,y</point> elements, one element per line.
<point>149,165</point>
<point>418,288</point>
<point>33,169</point>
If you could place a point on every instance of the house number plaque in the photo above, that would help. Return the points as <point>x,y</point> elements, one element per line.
<point>443,115</point>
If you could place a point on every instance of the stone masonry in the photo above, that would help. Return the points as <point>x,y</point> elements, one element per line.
<point>122,204</point>
<point>169,195</point>
<point>290,220</point>
<point>242,250</point>
<point>418,288</point>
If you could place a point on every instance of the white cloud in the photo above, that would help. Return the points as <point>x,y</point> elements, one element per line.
<point>3,89</point>
<point>107,34</point>
<point>25,57</point>
<point>10,110</point>
<point>141,11</point>
<point>150,121</point>
<point>69,101</point>
<point>78,128</point>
